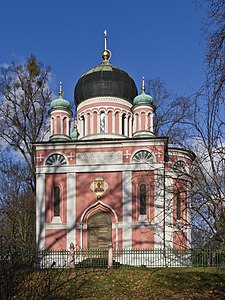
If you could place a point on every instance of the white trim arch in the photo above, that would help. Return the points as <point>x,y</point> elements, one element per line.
<point>56,219</point>
<point>90,208</point>
<point>52,153</point>
<point>96,204</point>
<point>143,149</point>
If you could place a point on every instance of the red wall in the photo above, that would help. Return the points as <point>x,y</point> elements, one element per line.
<point>86,197</point>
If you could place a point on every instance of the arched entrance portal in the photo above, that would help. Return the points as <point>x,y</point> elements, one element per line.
<point>99,230</point>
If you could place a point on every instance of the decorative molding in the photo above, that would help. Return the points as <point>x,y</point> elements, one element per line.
<point>99,158</point>
<point>106,109</point>
<point>106,167</point>
<point>97,100</point>
<point>103,136</point>
<point>56,220</point>
<point>55,226</point>
<point>93,144</point>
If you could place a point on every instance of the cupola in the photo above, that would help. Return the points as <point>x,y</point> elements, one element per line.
<point>143,113</point>
<point>104,98</point>
<point>143,98</point>
<point>105,80</point>
<point>60,118</point>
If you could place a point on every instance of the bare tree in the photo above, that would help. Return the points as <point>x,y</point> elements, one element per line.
<point>208,135</point>
<point>173,112</point>
<point>214,31</point>
<point>208,142</point>
<point>24,101</point>
<point>17,209</point>
<point>25,97</point>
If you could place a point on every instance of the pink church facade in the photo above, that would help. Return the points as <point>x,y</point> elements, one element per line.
<point>110,180</point>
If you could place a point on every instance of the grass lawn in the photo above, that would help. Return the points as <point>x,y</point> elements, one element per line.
<point>123,283</point>
<point>140,283</point>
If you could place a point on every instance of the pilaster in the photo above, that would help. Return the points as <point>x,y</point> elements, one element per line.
<point>127,209</point>
<point>40,211</point>
<point>71,209</point>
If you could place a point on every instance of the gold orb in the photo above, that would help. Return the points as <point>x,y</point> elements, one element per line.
<point>106,54</point>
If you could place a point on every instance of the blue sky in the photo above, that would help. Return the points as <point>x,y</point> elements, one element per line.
<point>151,38</point>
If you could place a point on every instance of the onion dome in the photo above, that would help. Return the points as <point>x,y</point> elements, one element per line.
<point>74,134</point>
<point>60,102</point>
<point>143,98</point>
<point>105,80</point>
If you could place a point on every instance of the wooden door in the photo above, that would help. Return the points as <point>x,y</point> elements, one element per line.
<point>99,228</point>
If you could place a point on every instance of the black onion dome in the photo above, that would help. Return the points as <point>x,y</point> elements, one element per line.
<point>105,80</point>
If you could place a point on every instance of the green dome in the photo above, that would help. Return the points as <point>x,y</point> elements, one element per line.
<point>143,99</point>
<point>60,103</point>
<point>74,134</point>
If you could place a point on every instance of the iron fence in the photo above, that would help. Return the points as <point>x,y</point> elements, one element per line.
<point>53,259</point>
<point>98,258</point>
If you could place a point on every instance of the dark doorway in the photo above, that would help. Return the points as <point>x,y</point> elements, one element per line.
<point>99,228</point>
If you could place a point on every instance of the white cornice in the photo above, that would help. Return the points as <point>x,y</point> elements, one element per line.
<point>99,168</point>
<point>103,144</point>
<point>103,136</point>
<point>100,100</point>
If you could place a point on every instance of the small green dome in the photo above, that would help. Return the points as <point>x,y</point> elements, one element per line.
<point>74,134</point>
<point>143,99</point>
<point>60,103</point>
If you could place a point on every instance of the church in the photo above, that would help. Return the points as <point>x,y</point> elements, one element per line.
<point>110,180</point>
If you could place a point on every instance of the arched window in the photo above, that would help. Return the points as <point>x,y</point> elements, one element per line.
<point>102,122</point>
<point>142,199</point>
<point>142,156</point>
<point>56,201</point>
<point>123,124</point>
<point>64,129</point>
<point>178,205</point>
<point>56,160</point>
<point>180,167</point>
<point>83,125</point>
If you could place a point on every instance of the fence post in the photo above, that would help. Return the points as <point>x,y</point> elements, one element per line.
<point>72,256</point>
<point>110,255</point>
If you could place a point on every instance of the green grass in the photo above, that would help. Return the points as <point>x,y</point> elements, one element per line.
<point>124,283</point>
<point>142,283</point>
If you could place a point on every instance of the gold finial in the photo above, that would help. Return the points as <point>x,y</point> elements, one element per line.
<point>143,85</point>
<point>106,54</point>
<point>60,89</point>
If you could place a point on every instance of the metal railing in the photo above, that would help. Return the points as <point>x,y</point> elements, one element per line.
<point>117,258</point>
<point>53,259</point>
<point>98,258</point>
